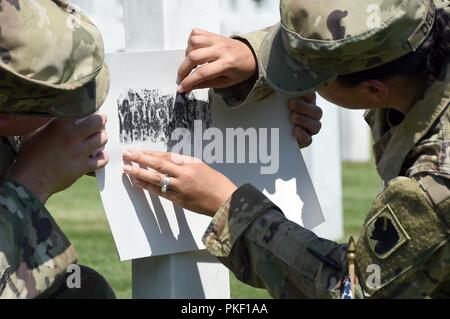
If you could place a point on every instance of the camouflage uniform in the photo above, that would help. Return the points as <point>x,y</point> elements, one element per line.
<point>51,64</point>
<point>407,230</point>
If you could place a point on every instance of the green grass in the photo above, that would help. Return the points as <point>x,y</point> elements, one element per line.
<point>360,185</point>
<point>79,212</point>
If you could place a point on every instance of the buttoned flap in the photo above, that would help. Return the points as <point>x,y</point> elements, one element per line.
<point>401,232</point>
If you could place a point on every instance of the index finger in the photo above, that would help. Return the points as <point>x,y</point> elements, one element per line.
<point>197,42</point>
<point>194,59</point>
<point>204,73</point>
<point>159,164</point>
<point>198,31</point>
<point>173,157</point>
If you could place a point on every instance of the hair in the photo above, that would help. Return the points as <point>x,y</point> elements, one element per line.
<point>429,61</point>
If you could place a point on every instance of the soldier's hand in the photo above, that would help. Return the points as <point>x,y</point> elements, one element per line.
<point>193,184</point>
<point>305,115</point>
<point>214,61</point>
<point>54,157</point>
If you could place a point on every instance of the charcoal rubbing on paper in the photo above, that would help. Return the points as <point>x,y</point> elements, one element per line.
<point>150,115</point>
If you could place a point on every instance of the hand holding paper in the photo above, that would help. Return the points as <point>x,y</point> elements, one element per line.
<point>193,184</point>
<point>252,144</point>
<point>61,152</point>
<point>220,62</point>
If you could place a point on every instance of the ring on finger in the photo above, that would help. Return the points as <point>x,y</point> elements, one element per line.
<point>165,183</point>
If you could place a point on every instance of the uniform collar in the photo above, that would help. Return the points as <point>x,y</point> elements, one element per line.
<point>392,144</point>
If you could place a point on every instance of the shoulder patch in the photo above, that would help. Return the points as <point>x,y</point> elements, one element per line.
<point>401,232</point>
<point>384,233</point>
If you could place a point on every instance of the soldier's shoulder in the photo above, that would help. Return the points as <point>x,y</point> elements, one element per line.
<point>408,222</point>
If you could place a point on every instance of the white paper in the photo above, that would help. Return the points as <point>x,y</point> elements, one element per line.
<point>145,225</point>
<point>291,188</point>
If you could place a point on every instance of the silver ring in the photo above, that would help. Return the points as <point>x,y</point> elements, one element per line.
<point>165,183</point>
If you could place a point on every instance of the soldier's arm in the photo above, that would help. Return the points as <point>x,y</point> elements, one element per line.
<point>402,251</point>
<point>251,236</point>
<point>34,252</point>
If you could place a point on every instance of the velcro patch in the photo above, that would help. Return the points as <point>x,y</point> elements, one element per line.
<point>385,233</point>
<point>402,231</point>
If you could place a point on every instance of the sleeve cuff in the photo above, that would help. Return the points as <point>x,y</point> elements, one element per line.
<point>233,218</point>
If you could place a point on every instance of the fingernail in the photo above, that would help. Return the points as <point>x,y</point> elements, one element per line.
<point>178,80</point>
<point>127,169</point>
<point>180,89</point>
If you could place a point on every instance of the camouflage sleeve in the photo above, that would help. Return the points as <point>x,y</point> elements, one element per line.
<point>254,89</point>
<point>34,253</point>
<point>251,236</point>
<point>402,251</point>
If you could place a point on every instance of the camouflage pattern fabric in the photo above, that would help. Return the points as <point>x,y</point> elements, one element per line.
<point>51,63</point>
<point>298,55</point>
<point>251,236</point>
<point>420,144</point>
<point>92,286</point>
<point>68,77</point>
<point>406,233</point>
<point>324,39</point>
<point>34,253</point>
